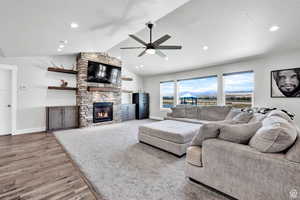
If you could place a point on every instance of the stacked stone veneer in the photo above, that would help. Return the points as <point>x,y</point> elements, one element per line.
<point>85,98</point>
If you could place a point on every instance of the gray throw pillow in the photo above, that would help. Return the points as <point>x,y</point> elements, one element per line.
<point>276,135</point>
<point>257,117</point>
<point>232,113</point>
<point>293,153</point>
<point>206,131</point>
<point>239,133</point>
<point>281,114</point>
<point>242,118</point>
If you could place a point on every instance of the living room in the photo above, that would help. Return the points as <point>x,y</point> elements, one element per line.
<point>150,99</point>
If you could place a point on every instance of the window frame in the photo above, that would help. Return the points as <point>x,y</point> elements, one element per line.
<point>174,94</point>
<point>194,78</point>
<point>235,73</point>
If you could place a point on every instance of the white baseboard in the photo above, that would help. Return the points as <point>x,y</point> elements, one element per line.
<point>156,118</point>
<point>29,130</point>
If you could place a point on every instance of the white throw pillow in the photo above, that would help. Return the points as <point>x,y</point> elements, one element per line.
<point>276,135</point>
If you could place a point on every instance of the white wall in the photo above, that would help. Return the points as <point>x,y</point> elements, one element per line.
<point>135,85</point>
<point>261,67</point>
<point>33,95</point>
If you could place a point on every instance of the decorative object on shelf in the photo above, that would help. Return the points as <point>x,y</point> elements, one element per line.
<point>74,67</point>
<point>63,83</point>
<point>127,79</point>
<point>285,83</point>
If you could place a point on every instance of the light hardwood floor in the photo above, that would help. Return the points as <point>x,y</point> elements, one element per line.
<point>36,166</point>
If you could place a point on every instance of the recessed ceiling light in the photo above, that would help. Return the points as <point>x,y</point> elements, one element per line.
<point>119,57</point>
<point>59,50</point>
<point>274,28</point>
<point>61,46</point>
<point>166,58</point>
<point>205,48</point>
<point>142,66</point>
<point>74,25</point>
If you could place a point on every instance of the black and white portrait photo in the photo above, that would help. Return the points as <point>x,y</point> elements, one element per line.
<point>285,83</point>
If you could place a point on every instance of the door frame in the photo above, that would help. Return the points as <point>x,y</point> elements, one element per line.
<point>14,73</point>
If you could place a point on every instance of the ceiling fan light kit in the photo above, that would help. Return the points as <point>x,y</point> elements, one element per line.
<point>153,47</point>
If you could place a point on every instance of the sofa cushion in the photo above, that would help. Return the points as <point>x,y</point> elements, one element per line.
<point>242,118</point>
<point>207,131</point>
<point>293,153</point>
<point>232,113</point>
<point>239,133</point>
<point>194,155</point>
<point>213,113</point>
<point>276,135</point>
<point>173,131</point>
<point>178,111</point>
<point>191,112</point>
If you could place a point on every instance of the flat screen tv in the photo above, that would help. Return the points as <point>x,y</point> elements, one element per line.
<point>103,73</point>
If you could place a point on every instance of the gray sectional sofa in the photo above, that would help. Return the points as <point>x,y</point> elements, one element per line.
<point>238,169</point>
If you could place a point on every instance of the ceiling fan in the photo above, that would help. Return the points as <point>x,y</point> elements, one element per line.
<point>153,47</point>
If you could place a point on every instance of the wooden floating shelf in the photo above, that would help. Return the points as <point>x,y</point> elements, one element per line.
<point>127,91</point>
<point>61,88</point>
<point>103,89</point>
<point>127,79</point>
<point>66,71</point>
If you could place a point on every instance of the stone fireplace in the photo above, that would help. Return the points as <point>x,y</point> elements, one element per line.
<point>102,112</point>
<point>90,94</point>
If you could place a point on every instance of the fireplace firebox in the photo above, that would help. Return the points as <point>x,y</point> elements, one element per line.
<point>103,112</point>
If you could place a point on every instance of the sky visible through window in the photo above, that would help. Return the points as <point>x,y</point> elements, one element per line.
<point>237,83</point>
<point>198,87</point>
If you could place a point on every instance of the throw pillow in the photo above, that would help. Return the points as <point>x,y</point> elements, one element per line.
<point>242,118</point>
<point>293,153</point>
<point>206,131</point>
<point>276,135</point>
<point>232,113</point>
<point>257,117</point>
<point>279,113</point>
<point>239,133</point>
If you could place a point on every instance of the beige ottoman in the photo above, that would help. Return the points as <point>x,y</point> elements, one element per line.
<point>169,135</point>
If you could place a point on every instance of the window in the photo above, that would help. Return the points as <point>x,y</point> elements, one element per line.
<point>199,91</point>
<point>167,90</point>
<point>238,89</point>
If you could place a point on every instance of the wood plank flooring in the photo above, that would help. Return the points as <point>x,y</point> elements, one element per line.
<point>36,166</point>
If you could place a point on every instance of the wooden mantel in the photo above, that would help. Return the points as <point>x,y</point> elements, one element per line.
<point>103,89</point>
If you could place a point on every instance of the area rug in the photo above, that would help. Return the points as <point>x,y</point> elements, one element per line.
<point>121,168</point>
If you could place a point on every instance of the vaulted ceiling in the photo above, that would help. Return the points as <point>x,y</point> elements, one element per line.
<point>231,29</point>
<point>35,27</point>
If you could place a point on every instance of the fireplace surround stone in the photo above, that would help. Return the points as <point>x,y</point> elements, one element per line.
<point>87,97</point>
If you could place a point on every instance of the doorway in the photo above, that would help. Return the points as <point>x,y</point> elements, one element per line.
<point>7,99</point>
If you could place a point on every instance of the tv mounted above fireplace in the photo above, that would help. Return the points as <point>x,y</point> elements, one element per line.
<point>103,73</point>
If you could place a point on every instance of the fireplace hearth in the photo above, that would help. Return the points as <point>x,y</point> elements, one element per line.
<point>103,112</point>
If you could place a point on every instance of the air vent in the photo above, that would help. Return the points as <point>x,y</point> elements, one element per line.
<point>1,53</point>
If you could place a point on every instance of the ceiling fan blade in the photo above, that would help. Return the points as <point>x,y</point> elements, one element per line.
<point>161,40</point>
<point>138,40</point>
<point>143,53</point>
<point>132,47</point>
<point>161,54</point>
<point>174,47</point>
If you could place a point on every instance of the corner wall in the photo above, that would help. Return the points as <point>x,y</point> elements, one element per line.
<point>261,67</point>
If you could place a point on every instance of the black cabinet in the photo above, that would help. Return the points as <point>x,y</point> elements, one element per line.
<point>141,100</point>
<point>62,117</point>
<point>127,112</point>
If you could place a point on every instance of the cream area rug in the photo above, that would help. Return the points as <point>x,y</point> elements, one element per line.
<point>121,168</point>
